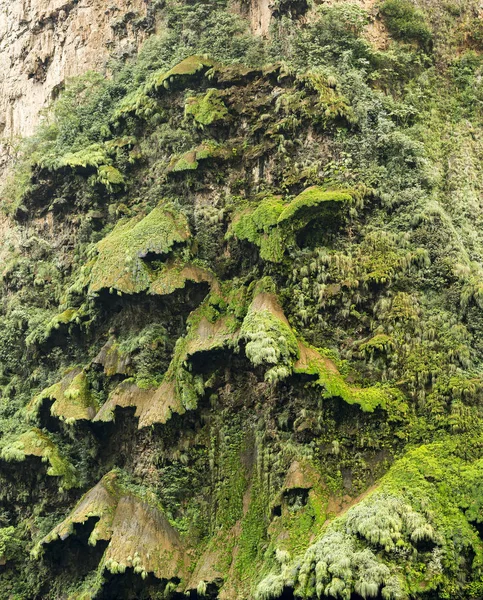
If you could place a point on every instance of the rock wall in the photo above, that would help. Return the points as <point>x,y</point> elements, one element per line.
<point>43,42</point>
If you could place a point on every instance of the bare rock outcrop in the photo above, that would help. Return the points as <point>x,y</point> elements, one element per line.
<point>43,42</point>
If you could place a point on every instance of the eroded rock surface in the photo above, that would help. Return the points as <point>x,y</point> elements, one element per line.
<point>43,42</point>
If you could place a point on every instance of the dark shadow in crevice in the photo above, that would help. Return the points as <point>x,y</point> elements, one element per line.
<point>30,476</point>
<point>296,498</point>
<point>131,586</point>
<point>207,361</point>
<point>118,438</point>
<point>157,260</point>
<point>133,312</point>
<point>291,8</point>
<point>211,593</point>
<point>45,419</point>
<point>425,546</point>
<point>287,594</point>
<point>313,235</point>
<point>74,554</point>
<point>479,528</point>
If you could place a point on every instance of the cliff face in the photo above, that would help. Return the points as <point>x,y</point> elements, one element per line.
<point>43,42</point>
<point>241,294</point>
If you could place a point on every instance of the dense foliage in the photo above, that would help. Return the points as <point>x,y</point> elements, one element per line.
<point>241,342</point>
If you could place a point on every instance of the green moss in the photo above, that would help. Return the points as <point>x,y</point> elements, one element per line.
<point>232,487</point>
<point>300,520</point>
<point>121,508</point>
<point>137,102</point>
<point>378,343</point>
<point>259,226</point>
<point>181,72</point>
<point>120,264</point>
<point>110,177</point>
<point>37,443</point>
<point>427,496</point>
<point>73,398</point>
<point>253,533</point>
<point>44,330</point>
<point>175,275</point>
<point>140,101</point>
<point>92,158</point>
<point>189,161</point>
<point>269,339</point>
<point>315,202</point>
<point>272,224</point>
<point>379,288</point>
<point>312,362</point>
<point>206,109</point>
<point>9,544</point>
<point>208,329</point>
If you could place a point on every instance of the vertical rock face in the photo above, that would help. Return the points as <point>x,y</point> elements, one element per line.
<point>260,13</point>
<point>43,42</point>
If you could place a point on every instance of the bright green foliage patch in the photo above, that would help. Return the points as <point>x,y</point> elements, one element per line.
<point>190,160</point>
<point>207,109</point>
<point>175,275</point>
<point>314,202</point>
<point>272,224</point>
<point>141,102</point>
<point>93,158</point>
<point>415,511</point>
<point>259,226</point>
<point>183,70</point>
<point>73,398</point>
<point>379,343</point>
<point>269,339</point>
<point>313,471</point>
<point>37,443</point>
<point>119,264</point>
<point>335,386</point>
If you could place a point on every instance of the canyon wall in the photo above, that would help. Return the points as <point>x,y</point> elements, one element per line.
<point>43,42</point>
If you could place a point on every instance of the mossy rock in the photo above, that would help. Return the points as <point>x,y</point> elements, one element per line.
<point>415,509</point>
<point>180,73</point>
<point>175,274</point>
<point>120,263</point>
<point>139,535</point>
<point>333,384</point>
<point>73,399</point>
<point>153,405</point>
<point>36,443</point>
<point>302,504</point>
<point>189,161</point>
<point>204,335</point>
<point>206,109</point>
<point>269,338</point>
<point>93,159</point>
<point>273,223</point>
<point>315,202</point>
<point>114,361</point>
<point>259,226</point>
<point>180,388</point>
<point>378,343</point>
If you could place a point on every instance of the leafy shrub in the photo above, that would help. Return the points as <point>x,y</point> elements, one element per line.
<point>405,22</point>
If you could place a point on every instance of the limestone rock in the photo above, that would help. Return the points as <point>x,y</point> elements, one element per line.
<point>43,42</point>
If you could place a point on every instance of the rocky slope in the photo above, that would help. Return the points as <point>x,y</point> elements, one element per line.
<point>241,340</point>
<point>44,42</point>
